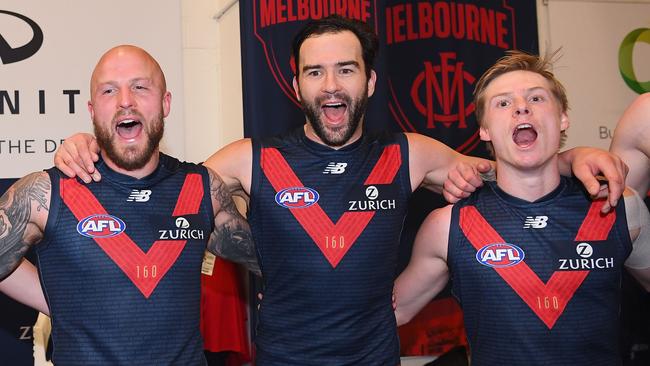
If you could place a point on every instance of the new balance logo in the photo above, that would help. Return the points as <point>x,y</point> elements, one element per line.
<point>537,222</point>
<point>335,168</point>
<point>139,195</point>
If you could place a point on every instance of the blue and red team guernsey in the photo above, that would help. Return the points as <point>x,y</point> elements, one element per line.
<point>121,264</point>
<point>326,224</point>
<point>539,283</point>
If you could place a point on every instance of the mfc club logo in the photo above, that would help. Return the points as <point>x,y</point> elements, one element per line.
<point>273,20</point>
<point>101,226</point>
<point>296,197</point>
<point>439,103</point>
<point>500,255</point>
<point>10,54</point>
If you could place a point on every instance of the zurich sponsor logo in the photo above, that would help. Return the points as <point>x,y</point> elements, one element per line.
<point>500,255</point>
<point>100,226</point>
<point>296,197</point>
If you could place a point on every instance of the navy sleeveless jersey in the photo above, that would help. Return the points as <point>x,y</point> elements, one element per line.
<point>120,265</point>
<point>539,283</point>
<point>326,225</point>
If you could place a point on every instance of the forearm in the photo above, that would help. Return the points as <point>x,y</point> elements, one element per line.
<point>236,247</point>
<point>415,288</point>
<point>565,159</point>
<point>23,285</point>
<point>231,237</point>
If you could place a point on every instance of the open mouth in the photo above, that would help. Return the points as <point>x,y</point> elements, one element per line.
<point>524,135</point>
<point>129,128</point>
<point>334,111</point>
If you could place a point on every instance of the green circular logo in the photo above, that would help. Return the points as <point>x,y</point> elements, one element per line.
<point>625,66</point>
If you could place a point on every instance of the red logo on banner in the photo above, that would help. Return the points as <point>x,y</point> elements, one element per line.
<point>443,89</point>
<point>441,93</point>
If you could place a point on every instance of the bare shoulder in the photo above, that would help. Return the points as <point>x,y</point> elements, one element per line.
<point>24,209</point>
<point>635,121</point>
<point>433,236</point>
<point>35,188</point>
<point>231,154</point>
<point>439,219</point>
<point>234,164</point>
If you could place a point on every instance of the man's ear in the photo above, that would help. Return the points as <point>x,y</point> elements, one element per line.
<point>167,101</point>
<point>564,121</point>
<point>484,134</point>
<point>91,110</point>
<point>296,88</point>
<point>371,82</point>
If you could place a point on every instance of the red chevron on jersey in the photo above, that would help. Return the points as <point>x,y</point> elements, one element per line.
<point>121,248</point>
<point>313,219</point>
<point>521,278</point>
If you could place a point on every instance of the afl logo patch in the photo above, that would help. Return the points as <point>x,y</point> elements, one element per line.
<point>500,255</point>
<point>296,197</point>
<point>100,226</point>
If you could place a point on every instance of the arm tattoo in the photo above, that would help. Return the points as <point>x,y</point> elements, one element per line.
<point>231,238</point>
<point>19,207</point>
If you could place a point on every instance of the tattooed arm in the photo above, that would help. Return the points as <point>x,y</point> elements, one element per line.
<point>231,238</point>
<point>24,209</point>
<point>23,214</point>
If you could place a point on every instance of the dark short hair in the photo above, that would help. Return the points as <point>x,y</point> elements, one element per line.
<point>337,24</point>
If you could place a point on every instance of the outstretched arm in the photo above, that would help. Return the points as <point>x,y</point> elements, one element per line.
<point>631,141</point>
<point>231,238</point>
<point>436,166</point>
<point>586,163</point>
<point>77,156</point>
<point>427,272</point>
<point>24,286</point>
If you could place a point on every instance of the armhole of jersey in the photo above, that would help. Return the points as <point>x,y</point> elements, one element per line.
<point>404,147</point>
<point>54,209</point>
<point>207,196</point>
<point>643,250</point>
<point>256,172</point>
<point>452,242</point>
<point>452,238</point>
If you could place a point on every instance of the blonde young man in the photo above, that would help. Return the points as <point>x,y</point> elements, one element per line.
<point>533,262</point>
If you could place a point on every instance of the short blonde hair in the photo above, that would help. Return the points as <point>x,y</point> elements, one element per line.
<point>516,60</point>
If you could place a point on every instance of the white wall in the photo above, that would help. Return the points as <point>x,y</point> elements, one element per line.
<point>212,77</point>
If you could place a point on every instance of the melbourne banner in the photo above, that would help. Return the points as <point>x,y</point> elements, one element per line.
<point>431,55</point>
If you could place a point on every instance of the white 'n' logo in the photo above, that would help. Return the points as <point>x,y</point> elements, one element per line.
<point>139,195</point>
<point>335,168</point>
<point>537,222</point>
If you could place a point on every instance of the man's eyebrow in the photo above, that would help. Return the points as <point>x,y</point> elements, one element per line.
<point>529,90</point>
<point>339,64</point>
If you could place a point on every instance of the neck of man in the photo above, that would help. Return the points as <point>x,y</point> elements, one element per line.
<point>529,184</point>
<point>139,173</point>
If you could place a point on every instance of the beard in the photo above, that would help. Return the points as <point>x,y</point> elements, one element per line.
<point>339,136</point>
<point>132,157</point>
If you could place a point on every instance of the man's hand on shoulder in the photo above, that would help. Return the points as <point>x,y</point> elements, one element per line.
<point>77,156</point>
<point>588,163</point>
